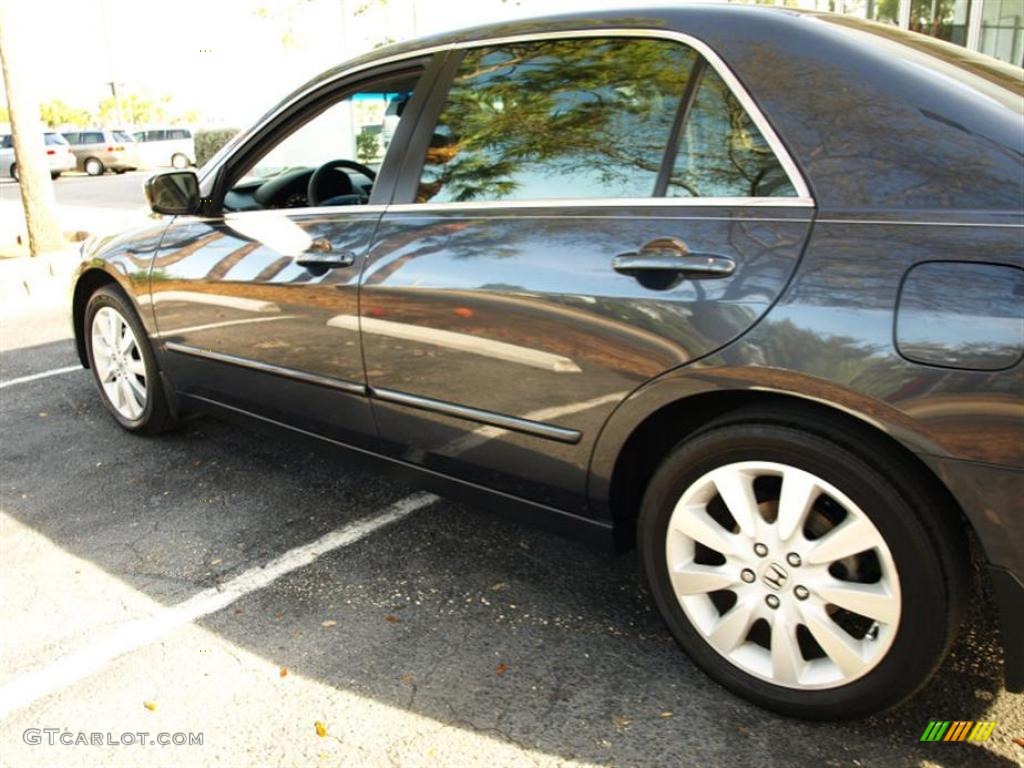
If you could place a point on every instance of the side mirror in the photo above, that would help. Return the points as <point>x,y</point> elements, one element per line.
<point>175,193</point>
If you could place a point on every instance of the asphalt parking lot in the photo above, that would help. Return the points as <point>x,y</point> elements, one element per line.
<point>296,609</point>
<point>115,191</point>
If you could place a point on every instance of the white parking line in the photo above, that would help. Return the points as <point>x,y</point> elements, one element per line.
<point>130,636</point>
<point>37,376</point>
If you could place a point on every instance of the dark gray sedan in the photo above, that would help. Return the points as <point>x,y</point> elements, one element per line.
<point>740,287</point>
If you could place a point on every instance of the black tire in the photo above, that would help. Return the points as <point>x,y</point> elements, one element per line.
<point>156,415</point>
<point>14,172</point>
<point>54,175</point>
<point>922,540</point>
<point>94,166</point>
<point>179,161</point>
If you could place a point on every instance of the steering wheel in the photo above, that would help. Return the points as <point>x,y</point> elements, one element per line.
<point>341,181</point>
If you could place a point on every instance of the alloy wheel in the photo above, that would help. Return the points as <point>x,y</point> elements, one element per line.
<point>783,575</point>
<point>120,367</point>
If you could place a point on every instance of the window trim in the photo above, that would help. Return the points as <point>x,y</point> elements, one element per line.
<point>412,164</point>
<point>804,199</point>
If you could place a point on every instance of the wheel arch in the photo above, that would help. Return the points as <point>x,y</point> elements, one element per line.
<point>88,282</point>
<point>636,440</point>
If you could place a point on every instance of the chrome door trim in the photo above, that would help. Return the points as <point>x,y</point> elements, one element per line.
<point>512,423</point>
<point>275,370</point>
<point>555,203</point>
<point>803,193</point>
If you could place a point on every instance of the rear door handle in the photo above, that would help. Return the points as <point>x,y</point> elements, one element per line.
<point>321,255</point>
<point>669,254</point>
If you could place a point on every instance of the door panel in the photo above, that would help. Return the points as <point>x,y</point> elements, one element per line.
<point>240,318</point>
<point>522,315</point>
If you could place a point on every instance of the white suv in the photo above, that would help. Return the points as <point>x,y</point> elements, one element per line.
<point>166,146</point>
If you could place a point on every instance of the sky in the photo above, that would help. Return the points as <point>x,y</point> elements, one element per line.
<point>228,59</point>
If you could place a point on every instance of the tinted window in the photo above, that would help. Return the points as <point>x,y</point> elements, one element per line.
<point>721,151</point>
<point>72,138</point>
<point>92,137</point>
<point>122,136</point>
<point>557,119</point>
<point>54,138</point>
<point>6,143</point>
<point>177,134</point>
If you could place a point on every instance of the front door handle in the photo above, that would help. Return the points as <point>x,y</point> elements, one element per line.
<point>320,255</point>
<point>670,255</point>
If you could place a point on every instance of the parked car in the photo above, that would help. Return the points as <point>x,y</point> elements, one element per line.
<point>166,146</point>
<point>740,287</point>
<point>98,151</point>
<point>58,155</point>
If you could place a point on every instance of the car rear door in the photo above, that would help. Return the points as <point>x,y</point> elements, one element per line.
<point>576,215</point>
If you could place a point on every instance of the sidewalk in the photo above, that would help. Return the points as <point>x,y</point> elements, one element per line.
<point>28,284</point>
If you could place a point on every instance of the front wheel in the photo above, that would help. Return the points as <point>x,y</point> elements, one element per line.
<point>797,574</point>
<point>123,364</point>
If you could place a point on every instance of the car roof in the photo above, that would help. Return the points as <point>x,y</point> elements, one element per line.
<point>875,117</point>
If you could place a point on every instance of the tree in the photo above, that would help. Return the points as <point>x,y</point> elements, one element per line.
<point>55,113</point>
<point>37,196</point>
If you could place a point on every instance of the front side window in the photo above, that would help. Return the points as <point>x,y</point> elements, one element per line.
<point>330,160</point>
<point>591,119</point>
<point>557,119</point>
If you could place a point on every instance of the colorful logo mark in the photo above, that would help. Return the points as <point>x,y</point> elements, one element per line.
<point>958,730</point>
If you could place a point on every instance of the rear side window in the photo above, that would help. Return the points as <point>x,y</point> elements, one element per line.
<point>72,138</point>
<point>721,151</point>
<point>177,134</point>
<point>557,119</point>
<point>94,137</point>
<point>594,118</point>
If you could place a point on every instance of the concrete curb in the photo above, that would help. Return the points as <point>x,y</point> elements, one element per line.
<point>28,284</point>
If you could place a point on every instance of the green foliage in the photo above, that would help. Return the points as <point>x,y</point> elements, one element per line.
<point>367,146</point>
<point>208,142</point>
<point>56,114</point>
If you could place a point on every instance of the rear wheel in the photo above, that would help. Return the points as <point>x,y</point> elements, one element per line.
<point>54,175</point>
<point>123,364</point>
<point>14,172</point>
<point>94,166</point>
<point>179,161</point>
<point>797,574</point>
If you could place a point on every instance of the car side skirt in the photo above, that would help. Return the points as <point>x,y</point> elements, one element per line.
<point>596,534</point>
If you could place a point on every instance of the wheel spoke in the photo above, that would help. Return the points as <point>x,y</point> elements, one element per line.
<point>694,522</point>
<point>835,641</point>
<point>131,405</point>
<point>737,491</point>
<point>787,661</point>
<point>871,600</point>
<point>137,367</point>
<point>137,388</point>
<point>111,330</point>
<point>127,338</point>
<point>695,578</point>
<point>799,492</point>
<point>732,627</point>
<point>853,535</point>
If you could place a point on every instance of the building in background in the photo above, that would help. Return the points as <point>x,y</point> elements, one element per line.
<point>994,27</point>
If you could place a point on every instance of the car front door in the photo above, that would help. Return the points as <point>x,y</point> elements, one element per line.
<point>246,301</point>
<point>575,217</point>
